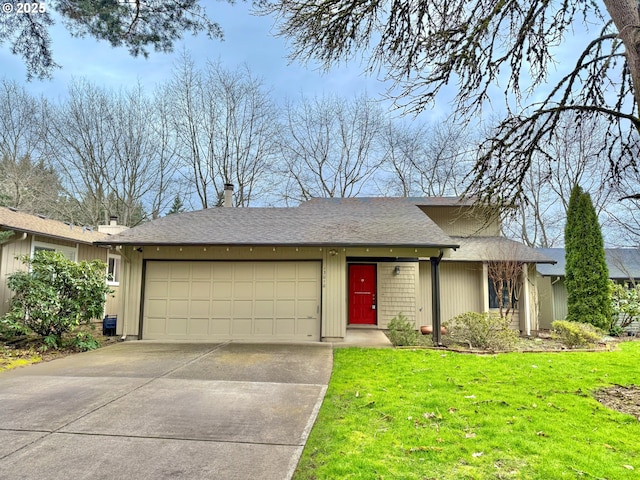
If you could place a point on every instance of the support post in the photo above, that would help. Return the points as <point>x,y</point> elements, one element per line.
<point>435,299</point>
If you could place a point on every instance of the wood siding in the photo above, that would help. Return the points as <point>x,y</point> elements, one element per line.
<point>461,287</point>
<point>463,222</point>
<point>398,293</point>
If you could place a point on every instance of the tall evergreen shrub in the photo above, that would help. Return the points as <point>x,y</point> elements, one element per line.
<point>587,275</point>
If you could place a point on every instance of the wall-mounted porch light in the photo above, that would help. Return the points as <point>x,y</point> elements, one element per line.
<point>396,270</point>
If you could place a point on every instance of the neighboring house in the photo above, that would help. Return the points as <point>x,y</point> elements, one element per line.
<point>310,272</point>
<point>33,233</point>
<point>623,264</point>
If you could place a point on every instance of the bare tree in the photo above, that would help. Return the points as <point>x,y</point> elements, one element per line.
<point>429,160</point>
<point>331,147</point>
<point>423,46</point>
<point>26,180</point>
<point>576,158</point>
<point>506,278</point>
<point>226,128</point>
<point>113,151</point>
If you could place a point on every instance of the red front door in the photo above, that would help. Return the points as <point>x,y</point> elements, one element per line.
<point>362,294</point>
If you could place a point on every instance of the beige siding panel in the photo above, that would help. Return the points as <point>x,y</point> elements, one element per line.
<point>460,288</point>
<point>545,300</point>
<point>217,301</point>
<point>89,253</point>
<point>397,293</point>
<point>560,298</point>
<point>334,296</point>
<point>461,222</point>
<point>10,263</point>
<point>425,297</point>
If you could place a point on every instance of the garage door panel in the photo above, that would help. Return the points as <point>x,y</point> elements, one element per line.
<point>307,309</point>
<point>179,289</point>
<point>221,308</point>
<point>199,326</point>
<point>157,308</point>
<point>216,301</point>
<point>263,326</point>
<point>306,289</point>
<point>200,308</point>
<point>180,270</point>
<point>284,326</point>
<point>157,288</point>
<point>243,289</point>
<point>220,327</point>
<point>242,309</point>
<point>241,326</point>
<point>178,308</point>
<point>200,289</point>
<point>264,308</point>
<point>222,290</point>
<point>177,326</point>
<point>264,290</point>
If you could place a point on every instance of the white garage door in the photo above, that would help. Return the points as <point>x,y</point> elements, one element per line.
<point>214,301</point>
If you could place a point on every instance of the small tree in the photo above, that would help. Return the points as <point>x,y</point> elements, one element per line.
<point>506,279</point>
<point>587,275</point>
<point>57,295</point>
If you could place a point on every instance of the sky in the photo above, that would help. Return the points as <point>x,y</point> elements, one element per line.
<point>249,39</point>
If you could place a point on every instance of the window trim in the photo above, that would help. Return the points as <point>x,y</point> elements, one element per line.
<point>117,264</point>
<point>69,252</point>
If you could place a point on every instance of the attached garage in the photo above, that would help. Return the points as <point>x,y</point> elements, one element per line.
<point>218,300</point>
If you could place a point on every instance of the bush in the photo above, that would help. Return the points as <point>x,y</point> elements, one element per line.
<point>486,331</point>
<point>575,334</point>
<point>56,295</point>
<point>402,332</point>
<point>625,306</point>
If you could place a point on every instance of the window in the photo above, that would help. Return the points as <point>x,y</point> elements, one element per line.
<point>69,252</point>
<point>113,269</point>
<point>493,297</point>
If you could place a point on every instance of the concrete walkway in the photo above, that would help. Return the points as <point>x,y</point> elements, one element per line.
<point>144,410</point>
<point>364,337</point>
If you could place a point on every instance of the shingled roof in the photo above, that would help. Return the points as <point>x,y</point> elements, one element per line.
<point>15,220</point>
<point>623,263</point>
<point>374,222</point>
<point>496,249</point>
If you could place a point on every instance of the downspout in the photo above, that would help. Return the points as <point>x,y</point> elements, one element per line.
<point>435,299</point>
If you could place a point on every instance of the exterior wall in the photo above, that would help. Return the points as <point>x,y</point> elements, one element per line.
<point>463,221</point>
<point>425,295</point>
<point>560,298</point>
<point>398,293</point>
<point>334,279</point>
<point>545,302</point>
<point>9,263</point>
<point>461,287</point>
<point>334,301</point>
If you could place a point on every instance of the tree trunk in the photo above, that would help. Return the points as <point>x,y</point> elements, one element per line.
<point>626,17</point>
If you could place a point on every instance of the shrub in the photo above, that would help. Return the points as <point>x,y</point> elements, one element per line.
<point>625,306</point>
<point>487,331</point>
<point>402,332</point>
<point>575,334</point>
<point>56,295</point>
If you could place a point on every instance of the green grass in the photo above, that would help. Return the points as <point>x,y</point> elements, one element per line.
<point>425,414</point>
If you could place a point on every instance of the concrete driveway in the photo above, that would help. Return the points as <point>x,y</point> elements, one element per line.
<point>155,410</point>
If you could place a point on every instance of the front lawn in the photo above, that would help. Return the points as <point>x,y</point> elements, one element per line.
<point>428,414</point>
